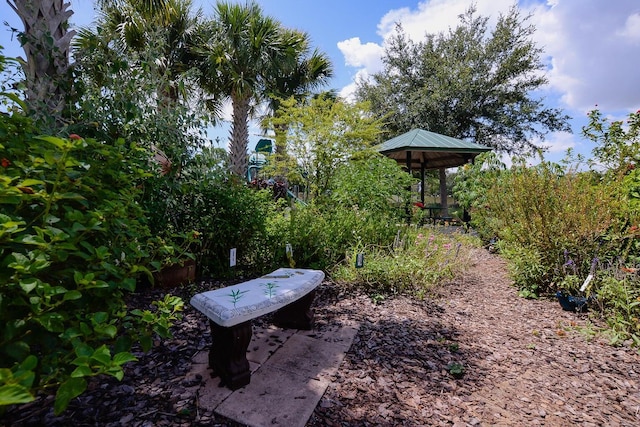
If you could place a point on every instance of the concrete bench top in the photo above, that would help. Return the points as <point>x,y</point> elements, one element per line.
<point>235,304</point>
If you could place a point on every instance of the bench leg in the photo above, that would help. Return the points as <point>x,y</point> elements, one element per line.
<point>228,354</point>
<point>297,315</point>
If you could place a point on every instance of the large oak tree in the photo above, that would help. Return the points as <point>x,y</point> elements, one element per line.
<point>468,83</point>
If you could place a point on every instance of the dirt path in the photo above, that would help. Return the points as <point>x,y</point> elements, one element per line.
<point>526,362</point>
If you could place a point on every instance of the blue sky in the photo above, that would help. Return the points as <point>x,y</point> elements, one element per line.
<point>592,47</point>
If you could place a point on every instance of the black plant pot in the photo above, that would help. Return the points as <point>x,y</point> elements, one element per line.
<point>572,303</point>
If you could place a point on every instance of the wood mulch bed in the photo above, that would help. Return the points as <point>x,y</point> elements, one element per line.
<point>520,362</point>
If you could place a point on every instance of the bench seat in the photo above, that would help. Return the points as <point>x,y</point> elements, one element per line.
<point>288,291</point>
<point>235,304</point>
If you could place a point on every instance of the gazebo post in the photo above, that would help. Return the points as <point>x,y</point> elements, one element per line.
<point>422,182</point>
<point>443,192</point>
<point>408,204</point>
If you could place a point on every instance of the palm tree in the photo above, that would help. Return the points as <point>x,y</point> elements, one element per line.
<point>46,41</point>
<point>304,72</point>
<point>164,25</point>
<point>243,46</point>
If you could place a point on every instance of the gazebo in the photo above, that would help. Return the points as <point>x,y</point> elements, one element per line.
<point>421,149</point>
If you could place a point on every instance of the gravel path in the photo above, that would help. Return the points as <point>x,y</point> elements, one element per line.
<point>525,362</point>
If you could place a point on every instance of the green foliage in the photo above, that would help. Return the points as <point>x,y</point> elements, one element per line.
<point>526,267</point>
<point>204,200</point>
<point>322,136</point>
<point>473,180</point>
<point>540,212</point>
<point>468,83</point>
<point>71,233</point>
<point>618,298</point>
<point>456,370</point>
<point>240,50</point>
<point>617,143</point>
<point>360,208</point>
<point>114,92</point>
<point>413,264</point>
<point>372,182</point>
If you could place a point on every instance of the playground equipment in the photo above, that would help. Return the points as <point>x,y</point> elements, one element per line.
<point>257,160</point>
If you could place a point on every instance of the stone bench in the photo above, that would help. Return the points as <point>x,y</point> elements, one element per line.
<point>230,310</point>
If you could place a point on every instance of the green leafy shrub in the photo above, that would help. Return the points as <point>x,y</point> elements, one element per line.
<point>618,298</point>
<point>540,213</point>
<point>360,208</point>
<point>71,247</point>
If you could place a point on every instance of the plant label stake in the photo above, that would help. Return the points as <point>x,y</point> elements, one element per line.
<point>232,258</point>
<point>586,283</point>
<point>360,260</point>
<point>289,251</point>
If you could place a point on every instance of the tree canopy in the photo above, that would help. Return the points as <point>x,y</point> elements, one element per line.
<point>467,83</point>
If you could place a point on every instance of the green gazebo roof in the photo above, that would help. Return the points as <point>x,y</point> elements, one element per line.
<point>429,149</point>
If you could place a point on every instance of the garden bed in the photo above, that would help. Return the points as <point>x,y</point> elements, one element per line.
<point>525,362</point>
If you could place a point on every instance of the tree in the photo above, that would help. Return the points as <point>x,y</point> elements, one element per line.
<point>323,135</point>
<point>467,84</point>
<point>243,46</point>
<point>304,72</point>
<point>135,78</point>
<point>46,41</point>
<point>617,144</point>
<point>164,26</point>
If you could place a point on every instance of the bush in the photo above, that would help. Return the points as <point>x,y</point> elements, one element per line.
<point>413,264</point>
<point>540,213</point>
<point>71,247</point>
<point>618,298</point>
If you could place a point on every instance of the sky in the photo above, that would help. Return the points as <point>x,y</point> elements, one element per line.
<point>591,47</point>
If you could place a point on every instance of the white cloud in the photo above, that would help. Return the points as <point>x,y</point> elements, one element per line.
<point>557,142</point>
<point>594,51</point>
<point>592,47</point>
<point>631,28</point>
<point>436,16</point>
<point>357,54</point>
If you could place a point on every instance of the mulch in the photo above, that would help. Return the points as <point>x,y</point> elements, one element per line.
<point>472,353</point>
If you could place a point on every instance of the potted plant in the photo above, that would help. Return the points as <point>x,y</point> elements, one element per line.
<point>172,259</point>
<point>569,294</point>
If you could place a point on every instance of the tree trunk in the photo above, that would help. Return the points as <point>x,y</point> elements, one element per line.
<point>46,43</point>
<point>239,137</point>
<point>443,192</point>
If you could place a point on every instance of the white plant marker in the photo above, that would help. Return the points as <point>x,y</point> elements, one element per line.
<point>586,283</point>
<point>232,258</point>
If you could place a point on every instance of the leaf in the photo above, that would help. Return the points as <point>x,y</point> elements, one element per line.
<point>124,357</point>
<point>27,285</point>
<point>100,317</point>
<point>73,387</point>
<point>29,363</point>
<point>72,295</point>
<point>102,355</point>
<point>146,342</point>
<point>81,371</point>
<point>58,142</point>
<point>13,394</point>
<point>128,284</point>
<point>108,330</point>
<point>30,182</point>
<point>52,322</point>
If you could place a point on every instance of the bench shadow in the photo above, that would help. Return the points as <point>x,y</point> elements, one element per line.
<point>404,363</point>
